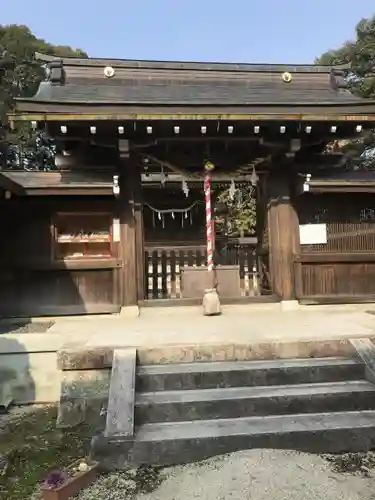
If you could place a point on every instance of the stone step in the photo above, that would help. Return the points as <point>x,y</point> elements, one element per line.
<point>238,402</point>
<point>208,375</point>
<point>189,441</point>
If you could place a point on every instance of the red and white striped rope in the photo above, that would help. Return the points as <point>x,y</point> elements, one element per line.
<point>207,196</point>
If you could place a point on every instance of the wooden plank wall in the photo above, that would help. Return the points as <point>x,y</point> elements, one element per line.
<point>31,282</point>
<point>344,268</point>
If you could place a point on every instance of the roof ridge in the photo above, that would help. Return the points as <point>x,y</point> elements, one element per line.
<point>192,65</point>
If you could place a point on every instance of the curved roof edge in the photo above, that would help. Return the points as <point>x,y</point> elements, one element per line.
<point>191,65</point>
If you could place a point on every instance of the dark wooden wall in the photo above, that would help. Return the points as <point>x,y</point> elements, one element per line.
<point>344,268</point>
<point>32,282</point>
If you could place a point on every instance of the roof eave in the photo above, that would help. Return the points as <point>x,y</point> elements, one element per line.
<point>69,191</point>
<point>31,110</point>
<point>336,186</point>
<point>193,65</point>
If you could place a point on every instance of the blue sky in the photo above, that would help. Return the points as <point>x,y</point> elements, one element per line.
<point>290,31</point>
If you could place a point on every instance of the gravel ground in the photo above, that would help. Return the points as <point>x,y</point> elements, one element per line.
<point>26,327</point>
<point>255,474</point>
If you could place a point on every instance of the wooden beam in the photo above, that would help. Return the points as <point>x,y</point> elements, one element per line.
<point>116,116</point>
<point>337,299</point>
<point>66,191</point>
<point>334,257</point>
<point>126,210</point>
<point>70,265</point>
<point>10,185</point>
<point>283,226</point>
<point>139,235</point>
<point>342,188</point>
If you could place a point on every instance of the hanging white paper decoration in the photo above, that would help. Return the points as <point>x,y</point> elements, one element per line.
<point>254,178</point>
<point>185,188</point>
<point>232,189</point>
<point>162,177</point>
<point>186,213</point>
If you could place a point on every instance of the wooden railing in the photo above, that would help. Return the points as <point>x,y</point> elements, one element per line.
<point>164,265</point>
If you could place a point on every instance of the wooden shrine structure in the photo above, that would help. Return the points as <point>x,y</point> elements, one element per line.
<point>117,217</point>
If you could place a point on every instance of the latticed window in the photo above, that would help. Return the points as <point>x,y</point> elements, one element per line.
<point>350,221</point>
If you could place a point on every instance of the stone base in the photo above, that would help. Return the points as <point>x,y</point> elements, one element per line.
<point>129,312</point>
<point>289,305</point>
<point>313,433</point>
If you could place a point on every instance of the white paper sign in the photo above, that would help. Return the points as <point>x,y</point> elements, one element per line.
<point>116,230</point>
<point>313,234</point>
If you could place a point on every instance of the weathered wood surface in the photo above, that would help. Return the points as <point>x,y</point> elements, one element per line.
<point>32,281</point>
<point>120,411</point>
<point>126,210</point>
<point>344,267</point>
<point>284,243</point>
<point>165,268</point>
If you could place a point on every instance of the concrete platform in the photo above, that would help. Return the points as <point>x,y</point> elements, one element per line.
<point>170,330</point>
<point>237,324</point>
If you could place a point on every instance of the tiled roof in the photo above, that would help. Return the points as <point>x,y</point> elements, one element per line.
<point>205,93</point>
<point>82,81</point>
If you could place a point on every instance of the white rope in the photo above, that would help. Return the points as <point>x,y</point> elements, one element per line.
<point>173,210</point>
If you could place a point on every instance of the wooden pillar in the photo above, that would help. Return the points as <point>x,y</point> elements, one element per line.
<point>131,227</point>
<point>139,233</point>
<point>283,226</point>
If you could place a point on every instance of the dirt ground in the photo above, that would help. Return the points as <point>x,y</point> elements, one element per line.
<point>254,474</point>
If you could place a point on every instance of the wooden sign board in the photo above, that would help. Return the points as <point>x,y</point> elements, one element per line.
<point>116,230</point>
<point>313,234</point>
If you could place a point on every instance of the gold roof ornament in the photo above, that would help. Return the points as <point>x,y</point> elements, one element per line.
<point>208,166</point>
<point>109,72</point>
<point>287,77</point>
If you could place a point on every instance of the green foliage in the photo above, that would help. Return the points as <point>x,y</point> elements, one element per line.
<point>32,445</point>
<point>241,216</point>
<point>20,73</point>
<point>360,54</point>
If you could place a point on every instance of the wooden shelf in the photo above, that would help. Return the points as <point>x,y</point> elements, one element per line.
<point>63,265</point>
<point>86,263</point>
<point>82,236</point>
<point>64,241</point>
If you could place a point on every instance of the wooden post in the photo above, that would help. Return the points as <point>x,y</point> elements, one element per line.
<point>283,229</point>
<point>129,178</point>
<point>139,232</point>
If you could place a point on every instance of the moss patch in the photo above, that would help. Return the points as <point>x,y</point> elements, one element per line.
<point>353,463</point>
<point>31,445</point>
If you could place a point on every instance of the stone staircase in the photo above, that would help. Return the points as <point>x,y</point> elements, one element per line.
<point>185,411</point>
